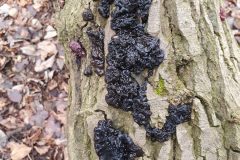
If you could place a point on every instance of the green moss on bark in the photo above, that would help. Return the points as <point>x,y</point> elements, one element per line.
<point>161,89</point>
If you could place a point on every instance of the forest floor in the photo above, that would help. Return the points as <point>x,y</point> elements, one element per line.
<point>33,79</point>
<point>33,82</point>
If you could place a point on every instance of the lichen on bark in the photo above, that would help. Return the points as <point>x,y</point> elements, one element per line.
<point>161,89</point>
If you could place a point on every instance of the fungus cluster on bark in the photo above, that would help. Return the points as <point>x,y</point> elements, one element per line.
<point>88,71</point>
<point>96,37</point>
<point>131,51</point>
<point>113,144</point>
<point>176,115</point>
<point>87,15</point>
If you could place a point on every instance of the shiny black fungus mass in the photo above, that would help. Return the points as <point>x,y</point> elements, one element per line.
<point>176,115</point>
<point>131,51</point>
<point>104,8</point>
<point>112,144</point>
<point>87,15</point>
<point>96,37</point>
<point>88,71</point>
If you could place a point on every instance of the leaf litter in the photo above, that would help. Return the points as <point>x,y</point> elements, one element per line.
<point>230,12</point>
<point>33,82</point>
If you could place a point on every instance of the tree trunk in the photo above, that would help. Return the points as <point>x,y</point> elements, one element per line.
<point>202,60</point>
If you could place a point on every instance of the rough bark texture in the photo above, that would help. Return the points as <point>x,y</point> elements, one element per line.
<point>202,59</point>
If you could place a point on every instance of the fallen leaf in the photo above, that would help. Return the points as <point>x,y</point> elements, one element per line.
<point>61,106</point>
<point>5,24</point>
<point>3,102</point>
<point>51,74</point>
<point>19,151</point>
<point>38,4</point>
<point>60,63</point>
<point>36,24</point>
<point>13,12</point>
<point>62,118</point>
<point>236,23</point>
<point>28,50</point>
<point>41,66</point>
<point>42,53</point>
<point>35,136</point>
<point>5,84</point>
<point>237,39</point>
<point>42,150</point>
<point>50,32</point>
<point>19,87</point>
<point>48,47</point>
<point>14,95</point>
<point>39,118</point>
<point>10,123</point>
<point>37,36</point>
<point>24,2</point>
<point>26,115</point>
<point>59,154</point>
<point>64,86</point>
<point>20,66</point>
<point>22,33</point>
<point>223,14</point>
<point>3,62</point>
<point>3,139</point>
<point>31,10</point>
<point>52,84</point>
<point>61,141</point>
<point>233,1</point>
<point>4,9</point>
<point>52,128</point>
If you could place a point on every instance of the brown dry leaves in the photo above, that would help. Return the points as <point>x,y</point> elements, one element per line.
<point>19,151</point>
<point>33,82</point>
<point>231,13</point>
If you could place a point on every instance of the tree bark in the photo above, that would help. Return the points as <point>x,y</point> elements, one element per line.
<point>202,60</point>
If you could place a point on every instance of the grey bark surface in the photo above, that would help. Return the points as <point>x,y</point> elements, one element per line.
<point>202,60</point>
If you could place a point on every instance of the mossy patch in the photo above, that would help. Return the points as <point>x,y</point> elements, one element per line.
<point>161,89</point>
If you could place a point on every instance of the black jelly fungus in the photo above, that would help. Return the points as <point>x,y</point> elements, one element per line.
<point>112,144</point>
<point>131,51</point>
<point>144,6</point>
<point>87,15</point>
<point>88,71</point>
<point>177,114</point>
<point>104,8</point>
<point>96,37</point>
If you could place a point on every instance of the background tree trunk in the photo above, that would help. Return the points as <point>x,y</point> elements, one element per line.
<point>202,59</point>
